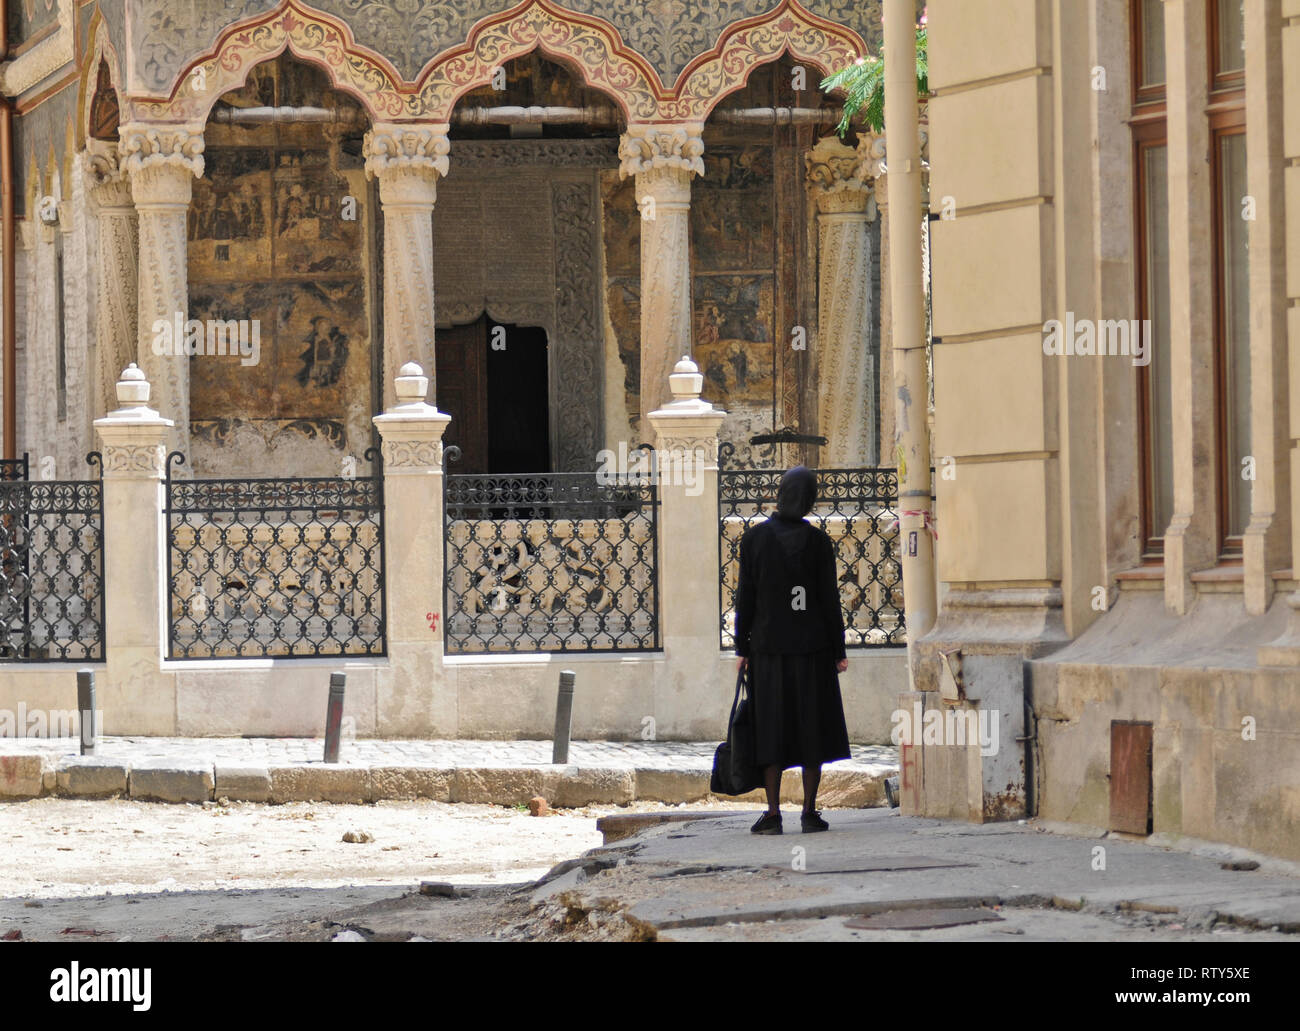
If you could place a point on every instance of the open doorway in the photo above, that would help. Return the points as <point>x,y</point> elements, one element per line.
<point>492,379</point>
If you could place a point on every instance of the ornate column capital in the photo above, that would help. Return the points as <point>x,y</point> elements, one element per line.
<point>151,145</point>
<point>872,163</point>
<point>106,180</point>
<point>644,148</point>
<point>833,173</point>
<point>871,155</point>
<point>419,149</point>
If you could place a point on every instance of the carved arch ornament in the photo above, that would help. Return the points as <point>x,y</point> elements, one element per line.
<point>99,48</point>
<point>590,45</point>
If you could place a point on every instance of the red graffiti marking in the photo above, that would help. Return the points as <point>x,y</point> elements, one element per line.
<point>908,763</point>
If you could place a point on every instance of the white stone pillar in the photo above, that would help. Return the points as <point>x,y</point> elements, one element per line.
<point>663,158</point>
<point>846,410</point>
<point>162,161</point>
<point>135,695</point>
<point>416,701</point>
<point>407,159</point>
<point>115,280</point>
<point>39,422</point>
<point>686,463</point>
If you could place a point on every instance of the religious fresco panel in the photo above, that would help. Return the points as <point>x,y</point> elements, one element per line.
<point>310,236</point>
<point>269,240</point>
<point>733,337</point>
<point>623,303</point>
<point>731,209</point>
<point>230,215</point>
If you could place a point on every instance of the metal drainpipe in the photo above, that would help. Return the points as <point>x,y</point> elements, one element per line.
<point>911,377</point>
<point>9,297</point>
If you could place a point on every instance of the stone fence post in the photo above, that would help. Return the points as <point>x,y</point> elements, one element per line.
<point>686,454</point>
<point>137,696</point>
<point>414,702</point>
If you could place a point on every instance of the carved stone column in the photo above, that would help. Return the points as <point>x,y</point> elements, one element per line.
<point>407,159</point>
<point>847,407</point>
<point>115,278</point>
<point>663,158</point>
<point>162,161</point>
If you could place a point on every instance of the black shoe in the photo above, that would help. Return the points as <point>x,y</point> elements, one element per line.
<point>768,823</point>
<point>813,822</point>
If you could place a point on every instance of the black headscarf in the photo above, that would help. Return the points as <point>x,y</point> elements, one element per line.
<point>796,494</point>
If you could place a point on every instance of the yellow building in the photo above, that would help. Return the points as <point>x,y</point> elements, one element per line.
<point>1115,198</point>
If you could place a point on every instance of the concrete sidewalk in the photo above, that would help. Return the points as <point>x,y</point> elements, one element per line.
<point>369,770</point>
<point>710,879</point>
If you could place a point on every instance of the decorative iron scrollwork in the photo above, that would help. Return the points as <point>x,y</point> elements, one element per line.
<point>550,562</point>
<point>858,510</point>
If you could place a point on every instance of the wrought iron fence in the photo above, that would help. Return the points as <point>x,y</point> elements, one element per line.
<point>51,569</point>
<point>550,562</point>
<point>858,510</point>
<point>275,566</point>
<point>13,469</point>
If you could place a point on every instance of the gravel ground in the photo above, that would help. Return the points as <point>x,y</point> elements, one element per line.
<point>116,869</point>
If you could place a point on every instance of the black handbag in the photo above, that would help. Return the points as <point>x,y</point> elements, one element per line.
<point>734,768</point>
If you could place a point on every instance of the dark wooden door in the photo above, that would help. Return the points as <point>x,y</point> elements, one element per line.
<point>1130,776</point>
<point>461,389</point>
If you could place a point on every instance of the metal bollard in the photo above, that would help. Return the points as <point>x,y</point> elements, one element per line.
<point>563,718</point>
<point>334,717</point>
<point>86,710</point>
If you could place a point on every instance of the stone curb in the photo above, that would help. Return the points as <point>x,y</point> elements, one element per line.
<point>32,776</point>
<point>171,784</point>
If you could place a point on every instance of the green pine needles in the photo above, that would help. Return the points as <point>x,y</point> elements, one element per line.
<point>864,83</point>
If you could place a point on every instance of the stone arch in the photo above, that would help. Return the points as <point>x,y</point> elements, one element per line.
<point>310,36</point>
<point>744,45</point>
<point>100,58</point>
<point>592,47</point>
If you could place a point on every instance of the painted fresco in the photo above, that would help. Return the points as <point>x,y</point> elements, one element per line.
<point>268,241</point>
<point>30,18</point>
<point>732,209</point>
<point>733,337</point>
<point>166,34</point>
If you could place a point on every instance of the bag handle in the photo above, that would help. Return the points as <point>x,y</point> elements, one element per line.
<point>740,689</point>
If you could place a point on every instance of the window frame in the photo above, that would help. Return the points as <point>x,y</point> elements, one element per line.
<point>1148,126</point>
<point>1223,123</point>
<point>1146,136</point>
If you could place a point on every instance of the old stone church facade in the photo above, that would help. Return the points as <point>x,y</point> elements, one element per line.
<point>545,204</point>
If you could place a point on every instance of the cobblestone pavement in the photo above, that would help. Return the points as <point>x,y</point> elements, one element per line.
<point>223,751</point>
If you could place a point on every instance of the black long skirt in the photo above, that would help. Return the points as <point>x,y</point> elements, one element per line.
<point>798,711</point>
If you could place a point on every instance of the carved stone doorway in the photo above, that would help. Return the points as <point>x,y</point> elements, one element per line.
<point>492,381</point>
<point>517,238</point>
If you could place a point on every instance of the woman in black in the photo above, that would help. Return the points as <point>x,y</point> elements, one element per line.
<point>790,631</point>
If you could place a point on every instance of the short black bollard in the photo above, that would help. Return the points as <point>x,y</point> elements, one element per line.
<point>563,718</point>
<point>86,710</point>
<point>334,717</point>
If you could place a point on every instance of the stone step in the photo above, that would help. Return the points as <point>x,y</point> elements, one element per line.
<point>36,774</point>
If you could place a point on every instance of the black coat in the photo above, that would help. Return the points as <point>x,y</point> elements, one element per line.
<point>777,556</point>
